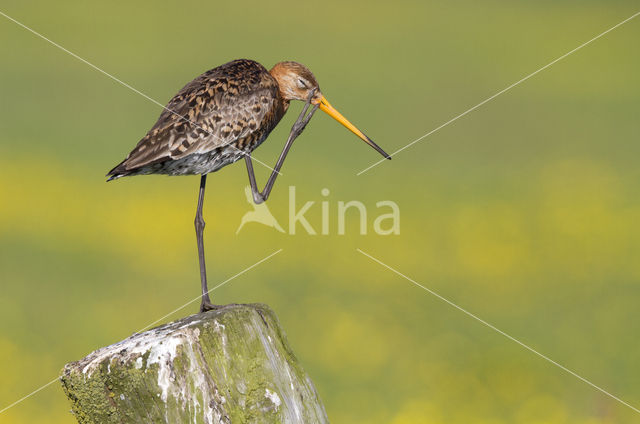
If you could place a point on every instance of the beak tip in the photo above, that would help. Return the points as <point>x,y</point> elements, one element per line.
<point>378,148</point>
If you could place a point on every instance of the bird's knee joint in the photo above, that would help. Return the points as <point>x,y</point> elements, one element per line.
<point>199,223</point>
<point>258,198</point>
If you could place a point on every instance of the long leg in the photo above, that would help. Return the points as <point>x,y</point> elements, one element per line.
<point>206,304</point>
<point>296,130</point>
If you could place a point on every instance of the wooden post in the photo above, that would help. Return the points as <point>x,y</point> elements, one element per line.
<point>232,365</point>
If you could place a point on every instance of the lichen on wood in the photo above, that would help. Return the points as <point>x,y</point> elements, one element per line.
<point>231,365</point>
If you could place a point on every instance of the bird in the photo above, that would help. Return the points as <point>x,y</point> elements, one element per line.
<point>260,214</point>
<point>220,117</point>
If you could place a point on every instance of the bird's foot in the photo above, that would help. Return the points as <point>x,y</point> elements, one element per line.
<point>206,305</point>
<point>301,122</point>
<point>298,127</point>
<point>310,115</point>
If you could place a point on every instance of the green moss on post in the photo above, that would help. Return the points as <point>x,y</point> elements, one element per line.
<point>232,365</point>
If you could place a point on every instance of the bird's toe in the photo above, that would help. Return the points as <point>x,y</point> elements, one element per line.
<point>208,306</point>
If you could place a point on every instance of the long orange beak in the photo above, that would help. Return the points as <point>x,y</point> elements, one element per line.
<point>326,107</point>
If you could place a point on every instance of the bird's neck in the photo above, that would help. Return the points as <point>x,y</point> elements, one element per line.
<point>278,74</point>
<point>285,104</point>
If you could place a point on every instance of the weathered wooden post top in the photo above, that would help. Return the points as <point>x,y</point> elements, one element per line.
<point>230,365</point>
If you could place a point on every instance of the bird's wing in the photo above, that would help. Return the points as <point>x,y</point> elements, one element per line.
<point>237,117</point>
<point>214,110</point>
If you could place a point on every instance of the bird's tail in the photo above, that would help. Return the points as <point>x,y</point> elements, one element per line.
<point>117,172</point>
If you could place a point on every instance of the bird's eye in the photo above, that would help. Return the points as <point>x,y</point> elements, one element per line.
<point>301,83</point>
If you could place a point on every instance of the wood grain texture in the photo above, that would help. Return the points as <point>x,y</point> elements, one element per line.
<point>232,365</point>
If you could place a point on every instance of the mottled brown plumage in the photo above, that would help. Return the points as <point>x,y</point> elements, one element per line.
<point>210,123</point>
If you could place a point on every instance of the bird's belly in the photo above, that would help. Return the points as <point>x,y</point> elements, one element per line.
<point>201,163</point>
<point>204,163</point>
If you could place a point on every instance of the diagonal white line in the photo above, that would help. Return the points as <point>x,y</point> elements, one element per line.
<point>155,322</point>
<point>119,81</point>
<point>210,290</point>
<point>501,92</point>
<point>29,395</point>
<point>461,309</point>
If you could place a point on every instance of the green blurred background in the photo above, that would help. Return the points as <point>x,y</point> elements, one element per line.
<point>525,212</point>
